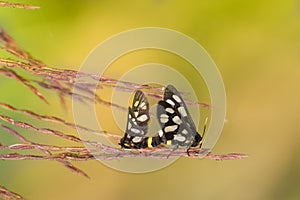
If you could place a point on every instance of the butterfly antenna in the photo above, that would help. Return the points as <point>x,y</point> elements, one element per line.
<point>204,131</point>
<point>204,127</point>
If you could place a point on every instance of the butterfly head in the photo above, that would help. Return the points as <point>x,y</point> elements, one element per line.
<point>197,140</point>
<point>125,141</point>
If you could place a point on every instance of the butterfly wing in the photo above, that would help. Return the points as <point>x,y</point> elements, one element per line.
<point>138,115</point>
<point>137,121</point>
<point>176,123</point>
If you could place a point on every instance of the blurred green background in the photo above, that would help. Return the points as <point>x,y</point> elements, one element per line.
<point>256,46</point>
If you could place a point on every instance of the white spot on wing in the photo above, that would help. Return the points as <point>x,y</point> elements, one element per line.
<point>184,131</point>
<point>136,113</point>
<point>135,130</point>
<point>142,104</point>
<point>160,133</point>
<point>179,138</point>
<point>169,101</point>
<point>177,120</point>
<point>182,111</point>
<point>164,118</point>
<point>169,110</point>
<point>176,98</point>
<point>170,128</point>
<point>129,125</point>
<point>136,103</point>
<point>142,118</point>
<point>136,139</point>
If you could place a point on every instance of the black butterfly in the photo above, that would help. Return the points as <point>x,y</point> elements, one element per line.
<point>137,125</point>
<point>176,123</point>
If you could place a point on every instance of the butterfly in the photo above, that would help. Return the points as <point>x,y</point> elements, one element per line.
<point>176,123</point>
<point>137,125</point>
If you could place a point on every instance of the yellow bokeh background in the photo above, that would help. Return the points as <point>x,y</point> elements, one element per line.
<point>256,46</point>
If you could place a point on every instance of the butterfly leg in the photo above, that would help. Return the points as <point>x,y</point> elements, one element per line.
<point>188,151</point>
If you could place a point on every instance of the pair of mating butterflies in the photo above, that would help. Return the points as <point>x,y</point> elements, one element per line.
<point>177,126</point>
